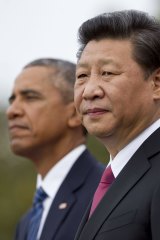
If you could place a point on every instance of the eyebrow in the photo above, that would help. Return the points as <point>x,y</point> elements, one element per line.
<point>107,61</point>
<point>25,92</point>
<point>101,61</point>
<point>28,91</point>
<point>82,65</point>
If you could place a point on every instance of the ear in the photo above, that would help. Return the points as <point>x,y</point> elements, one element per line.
<point>156,84</point>
<point>74,119</point>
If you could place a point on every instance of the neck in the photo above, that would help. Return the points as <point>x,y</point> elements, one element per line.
<point>114,144</point>
<point>46,158</point>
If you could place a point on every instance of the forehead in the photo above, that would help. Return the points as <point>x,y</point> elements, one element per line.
<point>38,78</point>
<point>106,51</point>
<point>43,80</point>
<point>33,76</point>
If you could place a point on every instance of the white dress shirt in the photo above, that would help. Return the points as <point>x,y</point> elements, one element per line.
<point>121,159</point>
<point>54,178</point>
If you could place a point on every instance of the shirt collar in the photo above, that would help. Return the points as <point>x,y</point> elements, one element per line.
<point>58,172</point>
<point>127,152</point>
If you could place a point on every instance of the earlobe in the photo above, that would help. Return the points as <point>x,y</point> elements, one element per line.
<point>74,119</point>
<point>156,84</point>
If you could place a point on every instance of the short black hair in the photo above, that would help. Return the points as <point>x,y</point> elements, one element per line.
<point>141,29</point>
<point>63,71</point>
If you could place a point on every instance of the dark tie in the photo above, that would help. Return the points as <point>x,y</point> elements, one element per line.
<point>105,182</point>
<point>36,214</point>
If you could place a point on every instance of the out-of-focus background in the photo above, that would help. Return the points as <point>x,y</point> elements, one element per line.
<point>30,29</point>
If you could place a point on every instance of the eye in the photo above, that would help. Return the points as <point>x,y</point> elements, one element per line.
<point>83,75</point>
<point>11,99</point>
<point>107,73</point>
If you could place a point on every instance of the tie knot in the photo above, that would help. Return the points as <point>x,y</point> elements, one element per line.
<point>40,196</point>
<point>107,176</point>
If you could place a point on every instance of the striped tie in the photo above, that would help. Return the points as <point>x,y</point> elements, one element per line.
<point>105,182</point>
<point>36,214</point>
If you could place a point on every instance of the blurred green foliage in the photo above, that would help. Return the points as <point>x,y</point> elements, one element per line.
<point>18,179</point>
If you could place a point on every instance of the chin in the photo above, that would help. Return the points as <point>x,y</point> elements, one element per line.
<point>99,132</point>
<point>95,132</point>
<point>20,150</point>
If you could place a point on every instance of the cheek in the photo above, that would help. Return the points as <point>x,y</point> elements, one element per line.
<point>77,98</point>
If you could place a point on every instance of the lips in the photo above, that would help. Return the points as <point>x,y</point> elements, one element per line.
<point>95,111</point>
<point>13,127</point>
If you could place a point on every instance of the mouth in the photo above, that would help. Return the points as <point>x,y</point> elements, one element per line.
<point>17,127</point>
<point>95,112</point>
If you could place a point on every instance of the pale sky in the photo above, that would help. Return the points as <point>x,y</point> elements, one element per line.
<point>31,29</point>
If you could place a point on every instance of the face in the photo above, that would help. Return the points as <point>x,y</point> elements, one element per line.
<point>112,97</point>
<point>37,114</point>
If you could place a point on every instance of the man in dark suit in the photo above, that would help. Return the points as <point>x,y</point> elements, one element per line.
<point>117,95</point>
<point>44,127</point>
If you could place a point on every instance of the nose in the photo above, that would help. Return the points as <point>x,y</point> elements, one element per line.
<point>93,89</point>
<point>14,110</point>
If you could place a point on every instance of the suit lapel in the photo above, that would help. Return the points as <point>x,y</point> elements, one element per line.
<point>66,196</point>
<point>58,212</point>
<point>133,171</point>
<point>22,227</point>
<point>83,222</point>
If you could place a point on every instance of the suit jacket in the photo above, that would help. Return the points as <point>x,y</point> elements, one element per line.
<point>76,190</point>
<point>130,209</point>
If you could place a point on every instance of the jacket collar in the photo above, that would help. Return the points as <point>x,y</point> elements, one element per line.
<point>66,196</point>
<point>134,170</point>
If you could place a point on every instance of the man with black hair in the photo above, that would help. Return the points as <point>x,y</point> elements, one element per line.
<point>44,127</point>
<point>117,95</point>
